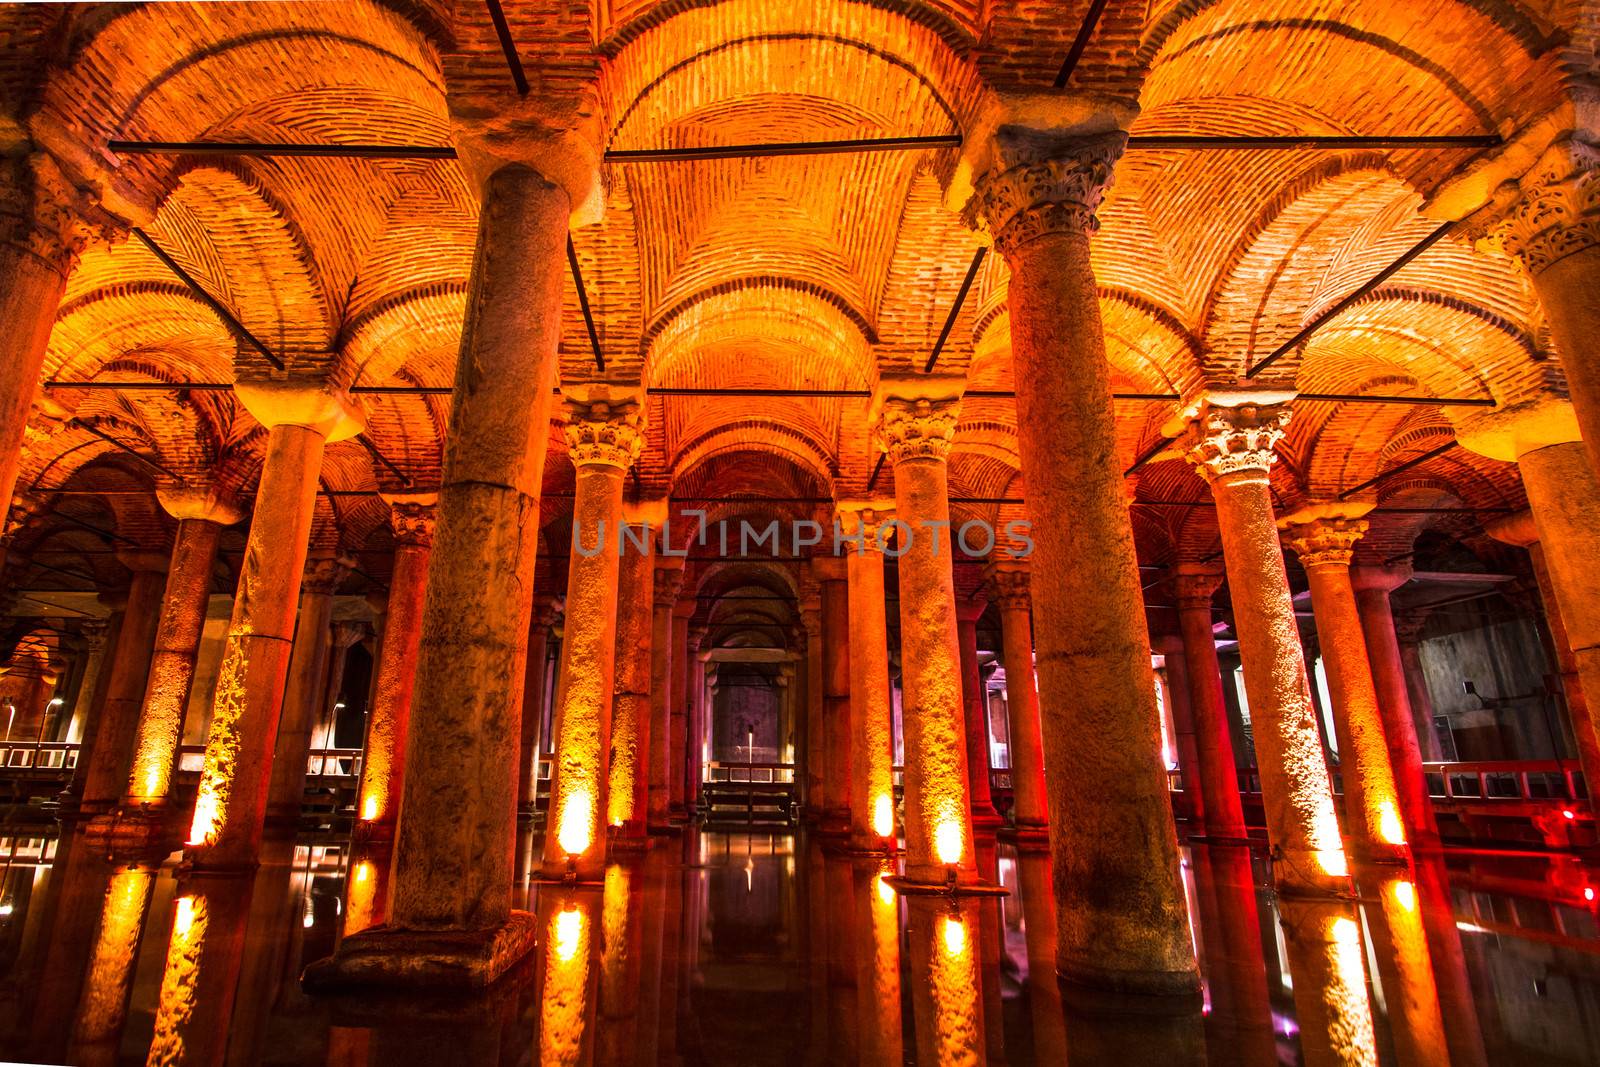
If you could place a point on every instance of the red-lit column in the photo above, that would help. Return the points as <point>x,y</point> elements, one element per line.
<point>1180,715</point>
<point>1008,590</point>
<point>1232,447</point>
<point>975,715</point>
<point>695,771</point>
<point>1217,774</point>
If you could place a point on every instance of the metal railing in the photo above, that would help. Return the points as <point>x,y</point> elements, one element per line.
<point>750,773</point>
<point>1491,780</point>
<point>38,755</point>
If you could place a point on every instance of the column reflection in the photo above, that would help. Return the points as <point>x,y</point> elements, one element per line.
<point>621,966</point>
<point>1323,940</point>
<point>1393,911</point>
<point>877,953</point>
<point>947,994</point>
<point>1239,1023</point>
<point>103,1006</point>
<point>567,975</point>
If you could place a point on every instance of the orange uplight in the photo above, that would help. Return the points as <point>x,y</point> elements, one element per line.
<point>203,827</point>
<point>1389,825</point>
<point>886,893</point>
<point>955,935</point>
<point>1405,894</point>
<point>883,816</point>
<point>369,808</point>
<point>183,919</point>
<point>567,933</point>
<point>576,833</point>
<point>363,871</point>
<point>947,842</point>
<point>1332,861</point>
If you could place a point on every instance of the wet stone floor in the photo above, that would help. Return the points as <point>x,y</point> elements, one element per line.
<point>730,948</point>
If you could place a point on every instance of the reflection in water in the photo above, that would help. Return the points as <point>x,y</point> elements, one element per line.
<point>772,949</point>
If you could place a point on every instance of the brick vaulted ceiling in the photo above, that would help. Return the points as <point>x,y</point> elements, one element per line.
<point>816,272</point>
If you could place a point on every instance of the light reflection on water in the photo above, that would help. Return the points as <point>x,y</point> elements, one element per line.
<point>726,948</point>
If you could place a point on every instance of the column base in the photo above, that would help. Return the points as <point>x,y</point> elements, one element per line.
<point>989,820</point>
<point>1107,991</point>
<point>1027,837</point>
<point>387,958</point>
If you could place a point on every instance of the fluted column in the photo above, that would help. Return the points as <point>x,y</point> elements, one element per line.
<point>915,428</point>
<point>604,437</point>
<point>1373,585</point>
<point>45,224</point>
<point>111,751</point>
<point>230,808</point>
<point>1008,591</point>
<point>383,767</point>
<point>1564,500</point>
<point>1217,773</point>
<point>306,687</point>
<point>1232,447</point>
<point>832,576</point>
<point>668,579</point>
<point>871,782</point>
<point>201,515</point>
<point>628,795</point>
<point>1549,218</point>
<point>1101,728</point>
<point>1324,538</point>
<point>975,716</point>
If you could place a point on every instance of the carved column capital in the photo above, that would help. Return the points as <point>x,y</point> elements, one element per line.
<point>411,518</point>
<point>24,507</point>
<point>1007,584</point>
<point>324,573</point>
<point>44,214</point>
<point>811,617</point>
<point>1043,184</point>
<point>866,518</point>
<point>1195,584</point>
<point>604,432</point>
<point>917,429</point>
<point>1226,440</point>
<point>1324,542</point>
<point>1548,213</point>
<point>547,610</point>
<point>93,632</point>
<point>668,580</point>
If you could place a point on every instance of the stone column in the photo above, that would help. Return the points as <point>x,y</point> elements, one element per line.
<point>678,701</point>
<point>832,575</point>
<point>112,748</point>
<point>201,515</point>
<point>915,423</point>
<point>628,795</point>
<point>604,437</point>
<point>1408,630</point>
<point>230,808</point>
<point>1216,773</point>
<point>1175,686</point>
<point>1373,585</point>
<point>450,918</point>
<point>546,613</point>
<point>43,230</point>
<point>1232,447</point>
<point>383,766</point>
<point>95,633</point>
<point>871,782</point>
<point>816,782</point>
<point>1102,735</point>
<point>975,714</point>
<point>1324,538</point>
<point>668,579</point>
<point>695,771</point>
<point>1564,500</point>
<point>306,687</point>
<point>1549,218</point>
<point>1008,591</point>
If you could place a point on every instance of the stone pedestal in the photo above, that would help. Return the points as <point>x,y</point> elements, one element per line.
<point>1324,538</point>
<point>1232,446</point>
<point>871,782</point>
<point>603,439</point>
<point>1008,590</point>
<point>1122,924</point>
<point>1217,772</point>
<point>916,423</point>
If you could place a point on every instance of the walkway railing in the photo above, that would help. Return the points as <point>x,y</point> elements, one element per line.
<point>1487,780</point>
<point>751,773</point>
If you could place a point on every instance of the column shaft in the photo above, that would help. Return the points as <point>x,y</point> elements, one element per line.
<point>668,577</point>
<point>1175,673</point>
<point>871,781</point>
<point>628,796</point>
<point>975,715</point>
<point>837,706</point>
<point>1217,772</point>
<point>114,737</point>
<point>678,701</point>
<point>1566,290</point>
<point>1032,805</point>
<point>817,785</point>
<point>533,697</point>
<point>307,686</point>
<point>28,303</point>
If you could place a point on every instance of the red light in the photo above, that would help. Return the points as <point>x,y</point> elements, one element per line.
<point>1567,813</point>
<point>1588,893</point>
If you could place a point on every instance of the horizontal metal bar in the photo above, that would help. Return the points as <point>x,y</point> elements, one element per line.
<point>1439,401</point>
<point>1407,465</point>
<point>261,151</point>
<point>1204,142</point>
<point>789,148</point>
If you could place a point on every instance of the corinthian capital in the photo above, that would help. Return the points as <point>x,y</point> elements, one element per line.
<point>603,429</point>
<point>1550,212</point>
<point>1043,184</point>
<point>1226,440</point>
<point>43,213</point>
<point>324,573</point>
<point>1007,584</point>
<point>1326,541</point>
<point>411,518</point>
<point>1195,584</point>
<point>917,428</point>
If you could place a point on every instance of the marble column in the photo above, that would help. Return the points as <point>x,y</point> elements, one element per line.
<point>112,749</point>
<point>832,575</point>
<point>1232,447</point>
<point>871,782</point>
<point>604,437</point>
<point>1520,530</point>
<point>678,700</point>
<point>1551,222</point>
<point>1324,538</point>
<point>1008,591</point>
<point>201,515</point>
<point>1564,500</point>
<point>44,227</point>
<point>306,686</point>
<point>1122,923</point>
<point>816,781</point>
<point>546,613</point>
<point>1180,717</point>
<point>628,795</point>
<point>1216,773</point>
<point>916,421</point>
<point>450,916</point>
<point>975,715</point>
<point>668,579</point>
<point>1373,584</point>
<point>230,807</point>
<point>383,766</point>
